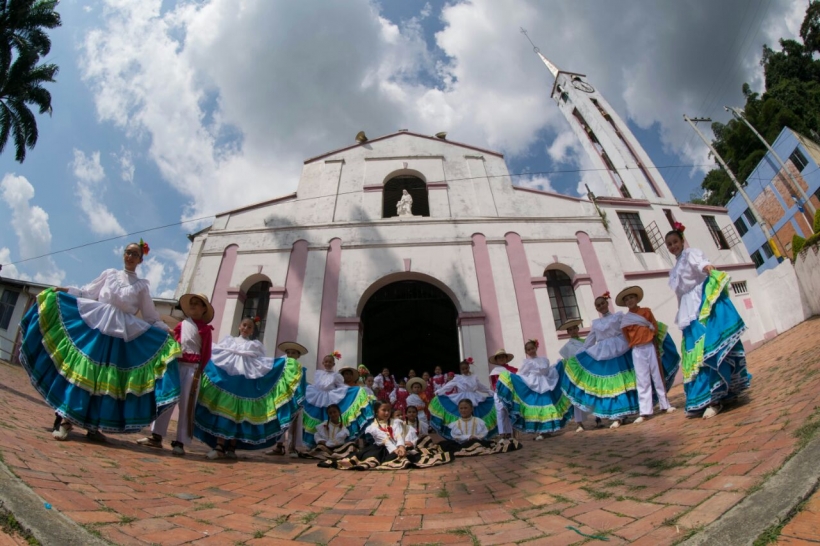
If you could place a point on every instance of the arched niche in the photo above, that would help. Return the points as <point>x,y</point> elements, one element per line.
<point>256,291</point>
<point>416,186</point>
<point>563,301</point>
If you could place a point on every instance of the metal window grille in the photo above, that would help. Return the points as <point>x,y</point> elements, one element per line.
<point>562,297</point>
<point>798,159</point>
<point>739,288</point>
<point>7,302</point>
<point>257,301</point>
<point>730,235</point>
<point>635,232</point>
<point>757,258</point>
<point>656,237</point>
<point>717,234</point>
<point>740,226</point>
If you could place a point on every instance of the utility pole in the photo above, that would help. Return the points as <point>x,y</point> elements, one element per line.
<point>768,234</point>
<point>797,187</point>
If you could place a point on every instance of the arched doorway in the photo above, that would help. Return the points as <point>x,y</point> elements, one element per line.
<point>410,325</point>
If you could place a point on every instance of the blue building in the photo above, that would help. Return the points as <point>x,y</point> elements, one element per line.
<point>770,189</point>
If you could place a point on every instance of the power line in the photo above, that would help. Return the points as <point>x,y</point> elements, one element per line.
<point>201,218</point>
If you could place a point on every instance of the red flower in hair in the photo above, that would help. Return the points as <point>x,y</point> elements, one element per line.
<point>606,296</point>
<point>257,319</point>
<point>337,355</point>
<point>144,247</point>
<point>534,342</point>
<point>679,227</point>
<point>469,360</point>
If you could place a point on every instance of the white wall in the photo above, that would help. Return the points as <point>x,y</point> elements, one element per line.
<point>807,267</point>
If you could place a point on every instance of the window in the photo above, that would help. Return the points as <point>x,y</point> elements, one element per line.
<point>635,232</point>
<point>562,297</point>
<point>739,288</point>
<point>393,191</point>
<point>798,159</point>
<point>750,217</point>
<point>757,258</point>
<point>7,302</point>
<point>256,305</point>
<point>717,235</point>
<point>669,217</point>
<point>767,250</point>
<point>740,226</point>
<point>817,193</point>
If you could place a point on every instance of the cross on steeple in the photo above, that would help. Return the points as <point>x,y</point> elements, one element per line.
<point>552,68</point>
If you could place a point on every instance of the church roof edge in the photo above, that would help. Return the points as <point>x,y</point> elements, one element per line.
<point>259,204</point>
<point>397,133</point>
<point>549,193</point>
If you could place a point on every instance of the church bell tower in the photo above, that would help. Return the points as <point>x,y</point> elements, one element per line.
<point>613,150</point>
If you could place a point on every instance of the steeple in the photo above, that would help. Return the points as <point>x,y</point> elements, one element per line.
<point>552,68</point>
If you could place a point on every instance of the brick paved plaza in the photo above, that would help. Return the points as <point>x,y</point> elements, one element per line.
<point>646,484</point>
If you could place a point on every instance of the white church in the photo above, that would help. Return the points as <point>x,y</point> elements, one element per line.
<point>472,265</point>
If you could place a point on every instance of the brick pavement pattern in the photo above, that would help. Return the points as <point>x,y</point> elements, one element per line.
<point>647,484</point>
<point>804,528</point>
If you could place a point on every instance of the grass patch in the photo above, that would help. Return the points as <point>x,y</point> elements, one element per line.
<point>663,464</point>
<point>614,470</point>
<point>125,520</point>
<point>11,526</point>
<point>464,531</point>
<point>597,495</point>
<point>769,535</point>
<point>759,485</point>
<point>382,497</point>
<point>807,431</point>
<point>562,498</point>
<point>281,519</point>
<point>310,516</point>
<point>204,506</point>
<point>614,483</point>
<point>443,493</point>
<point>259,533</point>
<point>128,478</point>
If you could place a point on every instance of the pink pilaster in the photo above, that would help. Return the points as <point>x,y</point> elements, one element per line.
<point>524,296</point>
<point>487,294</point>
<point>292,302</point>
<point>223,281</point>
<point>591,264</point>
<point>330,297</point>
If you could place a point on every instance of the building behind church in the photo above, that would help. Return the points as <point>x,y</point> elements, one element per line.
<point>481,264</point>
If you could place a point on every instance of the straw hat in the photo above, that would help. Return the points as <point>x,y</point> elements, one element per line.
<point>414,380</point>
<point>351,368</point>
<point>185,304</point>
<point>493,359</point>
<point>570,323</point>
<point>631,290</point>
<point>285,345</point>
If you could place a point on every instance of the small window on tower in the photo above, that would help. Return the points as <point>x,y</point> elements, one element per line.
<point>798,159</point>
<point>717,234</point>
<point>750,217</point>
<point>740,226</point>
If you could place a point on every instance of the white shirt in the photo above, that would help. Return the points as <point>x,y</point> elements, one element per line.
<point>606,339</point>
<point>538,375</point>
<point>189,338</point>
<point>382,438</point>
<point>465,429</point>
<point>686,279</point>
<point>417,430</point>
<point>332,435</point>
<point>571,348</point>
<point>111,302</point>
<point>415,400</point>
<point>240,356</point>
<point>327,388</point>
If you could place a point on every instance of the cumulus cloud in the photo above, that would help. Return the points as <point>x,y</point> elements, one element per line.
<point>90,175</point>
<point>158,274</point>
<point>30,224</point>
<point>10,271</point>
<point>126,163</point>
<point>232,100</point>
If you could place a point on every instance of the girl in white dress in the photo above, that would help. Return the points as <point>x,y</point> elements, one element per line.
<point>468,436</point>
<point>464,386</point>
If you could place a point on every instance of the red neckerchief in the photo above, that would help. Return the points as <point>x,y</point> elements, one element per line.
<point>388,430</point>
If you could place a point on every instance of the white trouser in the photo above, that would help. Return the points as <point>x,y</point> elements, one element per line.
<point>648,372</point>
<point>579,415</point>
<point>503,417</point>
<point>186,382</point>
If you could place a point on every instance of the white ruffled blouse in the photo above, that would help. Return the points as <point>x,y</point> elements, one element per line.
<point>327,388</point>
<point>538,374</point>
<point>463,430</point>
<point>606,339</point>
<point>571,348</point>
<point>467,386</point>
<point>382,438</point>
<point>240,356</point>
<point>686,279</point>
<point>332,435</point>
<point>110,303</point>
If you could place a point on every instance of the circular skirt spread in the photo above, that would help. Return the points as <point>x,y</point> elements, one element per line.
<point>444,410</point>
<point>96,381</point>
<point>356,409</point>
<point>604,388</point>
<point>534,412</point>
<point>714,361</point>
<point>254,412</point>
<point>670,357</point>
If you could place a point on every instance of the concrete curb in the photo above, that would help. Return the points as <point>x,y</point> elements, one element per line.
<point>47,526</point>
<point>769,506</point>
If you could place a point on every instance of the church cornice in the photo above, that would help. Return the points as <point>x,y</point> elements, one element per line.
<point>705,208</point>
<point>400,133</point>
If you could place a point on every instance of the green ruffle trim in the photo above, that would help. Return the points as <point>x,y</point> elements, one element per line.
<point>310,424</point>
<point>692,360</point>
<point>257,411</point>
<point>437,410</point>
<point>539,414</point>
<point>660,335</point>
<point>600,386</point>
<point>97,379</point>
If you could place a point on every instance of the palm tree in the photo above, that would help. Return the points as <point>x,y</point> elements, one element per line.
<point>21,85</point>
<point>22,32</point>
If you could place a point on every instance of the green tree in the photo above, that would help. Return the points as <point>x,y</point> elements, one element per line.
<point>23,40</point>
<point>792,99</point>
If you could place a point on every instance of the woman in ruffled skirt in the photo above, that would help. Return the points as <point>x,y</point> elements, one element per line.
<point>443,407</point>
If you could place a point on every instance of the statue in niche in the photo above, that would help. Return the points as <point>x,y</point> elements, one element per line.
<point>405,205</point>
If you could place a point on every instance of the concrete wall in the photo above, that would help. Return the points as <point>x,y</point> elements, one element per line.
<point>807,268</point>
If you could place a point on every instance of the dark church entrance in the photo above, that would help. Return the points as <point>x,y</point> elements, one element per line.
<point>410,325</point>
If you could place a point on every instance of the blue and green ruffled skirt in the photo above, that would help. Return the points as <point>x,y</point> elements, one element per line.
<point>254,412</point>
<point>533,412</point>
<point>96,381</point>
<point>714,361</point>
<point>443,411</point>
<point>356,409</point>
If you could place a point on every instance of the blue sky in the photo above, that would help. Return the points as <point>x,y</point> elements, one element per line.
<point>167,111</point>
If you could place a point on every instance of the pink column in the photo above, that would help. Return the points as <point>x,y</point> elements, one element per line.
<point>292,302</point>
<point>486,292</point>
<point>527,306</point>
<point>330,298</point>
<point>591,263</point>
<point>223,282</point>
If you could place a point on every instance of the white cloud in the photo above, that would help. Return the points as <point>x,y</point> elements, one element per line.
<point>30,224</point>
<point>158,274</point>
<point>126,163</point>
<point>90,175</point>
<point>10,271</point>
<point>232,100</point>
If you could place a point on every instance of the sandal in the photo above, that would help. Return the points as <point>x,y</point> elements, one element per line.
<point>61,433</point>
<point>278,449</point>
<point>216,453</point>
<point>155,440</point>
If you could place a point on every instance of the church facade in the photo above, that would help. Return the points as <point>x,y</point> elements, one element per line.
<point>469,263</point>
